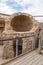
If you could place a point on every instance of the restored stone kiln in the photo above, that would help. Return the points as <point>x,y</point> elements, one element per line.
<point>16,26</point>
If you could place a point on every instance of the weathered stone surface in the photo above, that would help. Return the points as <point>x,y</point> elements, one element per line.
<point>27,45</point>
<point>19,25</point>
<point>41,33</point>
<point>8,51</point>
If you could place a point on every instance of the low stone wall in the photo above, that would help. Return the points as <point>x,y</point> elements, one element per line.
<point>9,47</point>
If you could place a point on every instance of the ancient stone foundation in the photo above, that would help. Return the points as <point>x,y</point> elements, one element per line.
<point>16,26</point>
<point>27,45</point>
<point>8,49</point>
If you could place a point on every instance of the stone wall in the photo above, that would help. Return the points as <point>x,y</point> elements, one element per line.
<point>2,25</point>
<point>16,26</point>
<point>27,45</point>
<point>8,49</point>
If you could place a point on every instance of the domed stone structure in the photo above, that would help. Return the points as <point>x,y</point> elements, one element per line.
<point>20,25</point>
<point>22,22</point>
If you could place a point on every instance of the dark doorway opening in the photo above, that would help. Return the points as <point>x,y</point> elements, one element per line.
<point>20,41</point>
<point>14,47</point>
<point>18,48</point>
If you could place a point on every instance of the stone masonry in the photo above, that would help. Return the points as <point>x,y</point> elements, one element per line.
<point>19,25</point>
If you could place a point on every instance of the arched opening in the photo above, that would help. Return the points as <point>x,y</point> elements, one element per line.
<point>21,23</point>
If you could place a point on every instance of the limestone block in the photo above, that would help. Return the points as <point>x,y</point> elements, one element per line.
<point>8,51</point>
<point>27,44</point>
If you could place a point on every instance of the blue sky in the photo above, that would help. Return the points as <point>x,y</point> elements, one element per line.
<point>33,7</point>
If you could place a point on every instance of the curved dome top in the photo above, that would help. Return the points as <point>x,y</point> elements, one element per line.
<point>22,22</point>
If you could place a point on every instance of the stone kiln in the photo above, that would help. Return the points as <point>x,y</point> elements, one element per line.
<point>16,26</point>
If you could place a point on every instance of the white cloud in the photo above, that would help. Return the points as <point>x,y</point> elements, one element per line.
<point>6,9</point>
<point>36,7</point>
<point>22,2</point>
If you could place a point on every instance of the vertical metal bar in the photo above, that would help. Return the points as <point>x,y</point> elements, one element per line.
<point>33,45</point>
<point>39,46</point>
<point>16,47</point>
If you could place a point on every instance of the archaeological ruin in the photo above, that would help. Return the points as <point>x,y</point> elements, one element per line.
<point>19,34</point>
